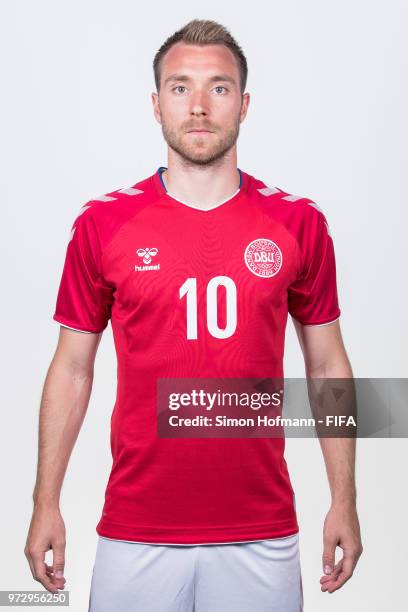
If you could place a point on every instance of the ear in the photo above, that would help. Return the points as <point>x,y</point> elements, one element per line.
<point>244,106</point>
<point>156,106</point>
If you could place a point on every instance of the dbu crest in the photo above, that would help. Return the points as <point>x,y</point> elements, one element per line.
<point>263,257</point>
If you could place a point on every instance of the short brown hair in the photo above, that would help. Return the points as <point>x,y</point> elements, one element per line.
<point>202,32</point>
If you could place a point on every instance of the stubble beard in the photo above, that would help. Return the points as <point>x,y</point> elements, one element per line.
<point>198,153</point>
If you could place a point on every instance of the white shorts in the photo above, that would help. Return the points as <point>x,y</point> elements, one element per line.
<point>260,576</point>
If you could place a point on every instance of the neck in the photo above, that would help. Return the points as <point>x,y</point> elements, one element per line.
<point>201,186</point>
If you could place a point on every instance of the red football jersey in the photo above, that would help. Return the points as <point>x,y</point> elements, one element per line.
<point>132,257</point>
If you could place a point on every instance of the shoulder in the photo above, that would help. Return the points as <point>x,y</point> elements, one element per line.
<point>106,213</point>
<point>111,201</point>
<point>297,212</point>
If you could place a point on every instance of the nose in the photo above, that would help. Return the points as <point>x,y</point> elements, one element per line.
<point>199,104</point>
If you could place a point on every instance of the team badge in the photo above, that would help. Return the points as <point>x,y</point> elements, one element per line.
<point>263,257</point>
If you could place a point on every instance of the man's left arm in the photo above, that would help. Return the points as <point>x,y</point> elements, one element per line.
<point>326,357</point>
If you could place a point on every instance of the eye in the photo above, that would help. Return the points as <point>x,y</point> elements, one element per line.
<point>220,87</point>
<point>178,87</point>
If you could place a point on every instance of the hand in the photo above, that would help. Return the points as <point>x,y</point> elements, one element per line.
<point>47,531</point>
<point>341,528</point>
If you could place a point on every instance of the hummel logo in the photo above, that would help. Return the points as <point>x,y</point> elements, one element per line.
<point>147,255</point>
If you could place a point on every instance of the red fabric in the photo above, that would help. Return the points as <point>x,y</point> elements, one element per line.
<point>192,491</point>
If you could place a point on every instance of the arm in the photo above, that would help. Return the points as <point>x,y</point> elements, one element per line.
<point>64,402</point>
<point>325,357</point>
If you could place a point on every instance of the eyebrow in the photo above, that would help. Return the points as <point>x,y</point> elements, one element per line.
<point>185,78</point>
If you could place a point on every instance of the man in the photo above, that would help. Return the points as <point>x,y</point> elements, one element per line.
<point>197,266</point>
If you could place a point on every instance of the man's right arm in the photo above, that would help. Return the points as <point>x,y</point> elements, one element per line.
<point>64,401</point>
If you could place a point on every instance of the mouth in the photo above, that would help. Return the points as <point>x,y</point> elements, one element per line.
<point>199,132</point>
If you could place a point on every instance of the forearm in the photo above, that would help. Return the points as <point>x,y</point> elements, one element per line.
<point>339,452</point>
<point>332,393</point>
<point>339,457</point>
<point>63,407</point>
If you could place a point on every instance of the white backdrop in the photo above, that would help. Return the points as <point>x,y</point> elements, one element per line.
<point>327,120</point>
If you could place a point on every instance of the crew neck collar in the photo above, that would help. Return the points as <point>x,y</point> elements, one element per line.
<point>162,192</point>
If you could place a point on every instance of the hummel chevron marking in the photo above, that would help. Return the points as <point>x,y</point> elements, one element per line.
<point>130,191</point>
<point>104,198</point>
<point>83,209</point>
<point>315,206</point>
<point>295,198</point>
<point>267,191</point>
<point>292,198</point>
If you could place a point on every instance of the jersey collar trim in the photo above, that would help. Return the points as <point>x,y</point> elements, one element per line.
<point>162,191</point>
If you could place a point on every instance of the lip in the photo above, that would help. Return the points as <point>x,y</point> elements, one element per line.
<point>199,132</point>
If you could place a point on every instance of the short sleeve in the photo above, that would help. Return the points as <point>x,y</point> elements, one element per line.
<point>84,298</point>
<point>313,298</point>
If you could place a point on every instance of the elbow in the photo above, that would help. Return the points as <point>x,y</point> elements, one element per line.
<point>336,365</point>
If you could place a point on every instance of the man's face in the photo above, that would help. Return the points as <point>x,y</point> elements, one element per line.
<point>200,90</point>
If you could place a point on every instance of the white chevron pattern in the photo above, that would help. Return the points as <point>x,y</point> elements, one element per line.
<point>104,198</point>
<point>292,198</point>
<point>83,209</point>
<point>267,191</point>
<point>130,191</point>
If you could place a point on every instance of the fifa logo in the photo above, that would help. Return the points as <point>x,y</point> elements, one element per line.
<point>146,255</point>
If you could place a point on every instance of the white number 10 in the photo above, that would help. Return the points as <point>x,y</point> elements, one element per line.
<point>189,288</point>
